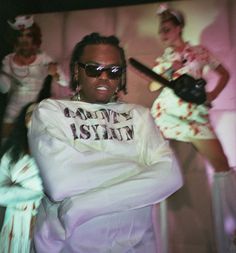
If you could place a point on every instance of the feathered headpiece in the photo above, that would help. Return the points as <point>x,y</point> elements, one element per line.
<point>21,22</point>
<point>164,9</point>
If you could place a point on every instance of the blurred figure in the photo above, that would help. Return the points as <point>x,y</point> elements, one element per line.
<point>20,184</point>
<point>24,71</point>
<point>20,187</point>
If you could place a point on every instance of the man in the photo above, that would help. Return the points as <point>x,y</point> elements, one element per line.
<point>103,164</point>
<point>24,71</point>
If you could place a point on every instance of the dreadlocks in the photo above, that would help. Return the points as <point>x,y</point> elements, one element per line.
<point>96,39</point>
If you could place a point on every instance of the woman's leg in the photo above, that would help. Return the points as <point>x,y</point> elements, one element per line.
<point>213,151</point>
<point>223,194</point>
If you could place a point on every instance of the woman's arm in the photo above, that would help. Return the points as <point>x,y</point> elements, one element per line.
<point>55,70</point>
<point>6,77</point>
<point>222,81</point>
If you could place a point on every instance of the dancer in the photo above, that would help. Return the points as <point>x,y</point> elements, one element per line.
<point>24,71</point>
<point>189,122</point>
<point>104,164</point>
<point>20,187</point>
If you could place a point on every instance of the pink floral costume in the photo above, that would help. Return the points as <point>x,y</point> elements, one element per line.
<point>176,118</point>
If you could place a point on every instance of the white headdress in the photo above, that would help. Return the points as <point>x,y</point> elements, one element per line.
<point>164,7</point>
<point>21,22</point>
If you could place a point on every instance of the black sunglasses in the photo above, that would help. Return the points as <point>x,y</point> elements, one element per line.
<point>95,70</point>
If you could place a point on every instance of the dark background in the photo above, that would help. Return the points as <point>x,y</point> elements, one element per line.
<point>12,8</point>
<point>42,6</point>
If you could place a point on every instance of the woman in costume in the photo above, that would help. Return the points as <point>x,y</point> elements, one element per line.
<point>24,70</point>
<point>189,122</point>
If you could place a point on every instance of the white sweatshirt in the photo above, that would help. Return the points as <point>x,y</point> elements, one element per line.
<point>103,168</point>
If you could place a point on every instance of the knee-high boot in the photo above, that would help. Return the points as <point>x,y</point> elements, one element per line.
<point>224,208</point>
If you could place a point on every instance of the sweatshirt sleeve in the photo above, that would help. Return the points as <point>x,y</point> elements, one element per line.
<point>138,181</point>
<point>159,178</point>
<point>154,184</point>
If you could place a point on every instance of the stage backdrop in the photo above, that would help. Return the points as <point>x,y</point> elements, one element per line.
<point>211,23</point>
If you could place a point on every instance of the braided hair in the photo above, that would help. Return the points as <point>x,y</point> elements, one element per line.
<point>96,39</point>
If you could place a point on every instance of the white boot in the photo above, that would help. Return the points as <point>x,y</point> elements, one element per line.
<point>224,208</point>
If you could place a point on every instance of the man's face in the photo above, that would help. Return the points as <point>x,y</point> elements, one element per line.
<point>101,88</point>
<point>25,44</point>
